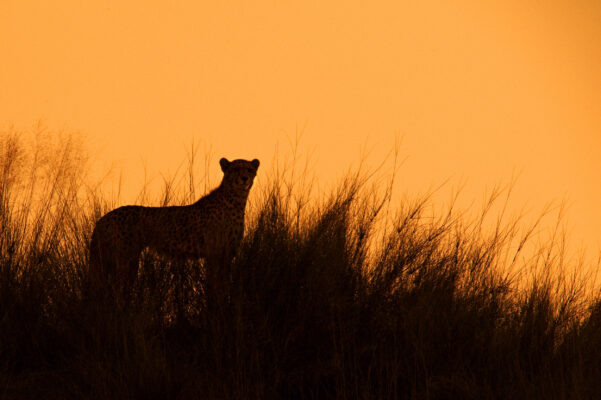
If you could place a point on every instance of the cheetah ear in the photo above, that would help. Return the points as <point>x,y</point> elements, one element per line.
<point>255,163</point>
<point>224,164</point>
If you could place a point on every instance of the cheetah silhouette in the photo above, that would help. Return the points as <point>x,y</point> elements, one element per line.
<point>211,227</point>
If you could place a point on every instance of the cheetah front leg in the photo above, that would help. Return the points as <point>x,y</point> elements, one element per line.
<point>180,274</point>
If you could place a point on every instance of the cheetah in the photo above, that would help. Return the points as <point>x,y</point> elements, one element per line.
<point>211,227</point>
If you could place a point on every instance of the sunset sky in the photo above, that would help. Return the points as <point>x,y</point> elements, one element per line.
<point>477,90</point>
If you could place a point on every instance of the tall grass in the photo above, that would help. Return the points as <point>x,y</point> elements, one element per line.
<point>342,298</point>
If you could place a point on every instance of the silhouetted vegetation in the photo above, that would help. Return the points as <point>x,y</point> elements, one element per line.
<point>333,299</point>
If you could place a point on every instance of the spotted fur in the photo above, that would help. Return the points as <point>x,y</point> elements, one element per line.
<point>211,227</point>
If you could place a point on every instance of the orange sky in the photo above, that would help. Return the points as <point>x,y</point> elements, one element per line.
<point>477,89</point>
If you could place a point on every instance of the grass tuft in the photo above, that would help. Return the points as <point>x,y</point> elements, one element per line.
<point>332,299</point>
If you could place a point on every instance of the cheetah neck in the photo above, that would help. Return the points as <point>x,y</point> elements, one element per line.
<point>228,195</point>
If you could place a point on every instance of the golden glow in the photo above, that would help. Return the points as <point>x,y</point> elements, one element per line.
<point>477,89</point>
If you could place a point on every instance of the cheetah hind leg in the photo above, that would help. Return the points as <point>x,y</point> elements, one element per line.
<point>126,276</point>
<point>102,265</point>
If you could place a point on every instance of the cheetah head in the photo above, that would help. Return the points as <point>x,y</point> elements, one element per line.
<point>239,174</point>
